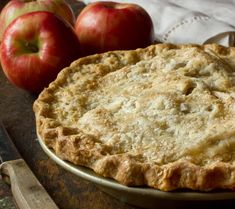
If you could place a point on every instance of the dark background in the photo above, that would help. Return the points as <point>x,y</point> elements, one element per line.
<point>67,190</point>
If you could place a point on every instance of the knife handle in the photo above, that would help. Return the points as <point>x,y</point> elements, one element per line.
<point>26,189</point>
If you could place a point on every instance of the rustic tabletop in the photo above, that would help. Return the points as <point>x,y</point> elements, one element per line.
<point>67,190</point>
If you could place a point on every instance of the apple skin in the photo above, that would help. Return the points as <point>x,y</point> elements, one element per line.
<point>107,26</point>
<point>35,47</point>
<point>15,8</point>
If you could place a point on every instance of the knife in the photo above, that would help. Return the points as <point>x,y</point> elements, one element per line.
<point>26,189</point>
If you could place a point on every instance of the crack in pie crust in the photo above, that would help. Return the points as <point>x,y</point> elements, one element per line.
<point>162,117</point>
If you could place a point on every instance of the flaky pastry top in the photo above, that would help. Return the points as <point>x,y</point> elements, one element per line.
<point>163,116</point>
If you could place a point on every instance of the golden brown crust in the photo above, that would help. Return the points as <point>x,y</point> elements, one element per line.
<point>206,165</point>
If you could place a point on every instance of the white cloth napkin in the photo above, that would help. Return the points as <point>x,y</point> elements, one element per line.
<point>190,21</point>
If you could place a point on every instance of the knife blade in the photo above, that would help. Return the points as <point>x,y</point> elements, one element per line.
<point>26,189</point>
<point>8,150</point>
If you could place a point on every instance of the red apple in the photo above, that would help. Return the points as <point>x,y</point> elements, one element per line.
<point>106,26</point>
<point>15,8</point>
<point>35,47</point>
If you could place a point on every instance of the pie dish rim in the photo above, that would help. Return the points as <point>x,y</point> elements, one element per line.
<point>102,182</point>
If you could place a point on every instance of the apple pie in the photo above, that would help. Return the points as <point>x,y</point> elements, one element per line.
<point>161,117</point>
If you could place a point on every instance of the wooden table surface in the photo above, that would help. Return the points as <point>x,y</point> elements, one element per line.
<point>67,190</point>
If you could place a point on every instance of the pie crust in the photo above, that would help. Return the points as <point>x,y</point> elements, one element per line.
<point>162,116</point>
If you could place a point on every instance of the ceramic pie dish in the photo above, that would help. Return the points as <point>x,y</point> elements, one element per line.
<point>143,196</point>
<point>160,117</point>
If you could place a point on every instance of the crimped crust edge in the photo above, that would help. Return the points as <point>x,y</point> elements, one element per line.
<point>74,146</point>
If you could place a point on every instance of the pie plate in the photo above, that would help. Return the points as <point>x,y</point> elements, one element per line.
<point>146,197</point>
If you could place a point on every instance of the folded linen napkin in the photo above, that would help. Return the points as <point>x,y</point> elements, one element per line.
<point>190,21</point>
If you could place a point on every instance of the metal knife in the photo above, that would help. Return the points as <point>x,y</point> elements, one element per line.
<point>26,189</point>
